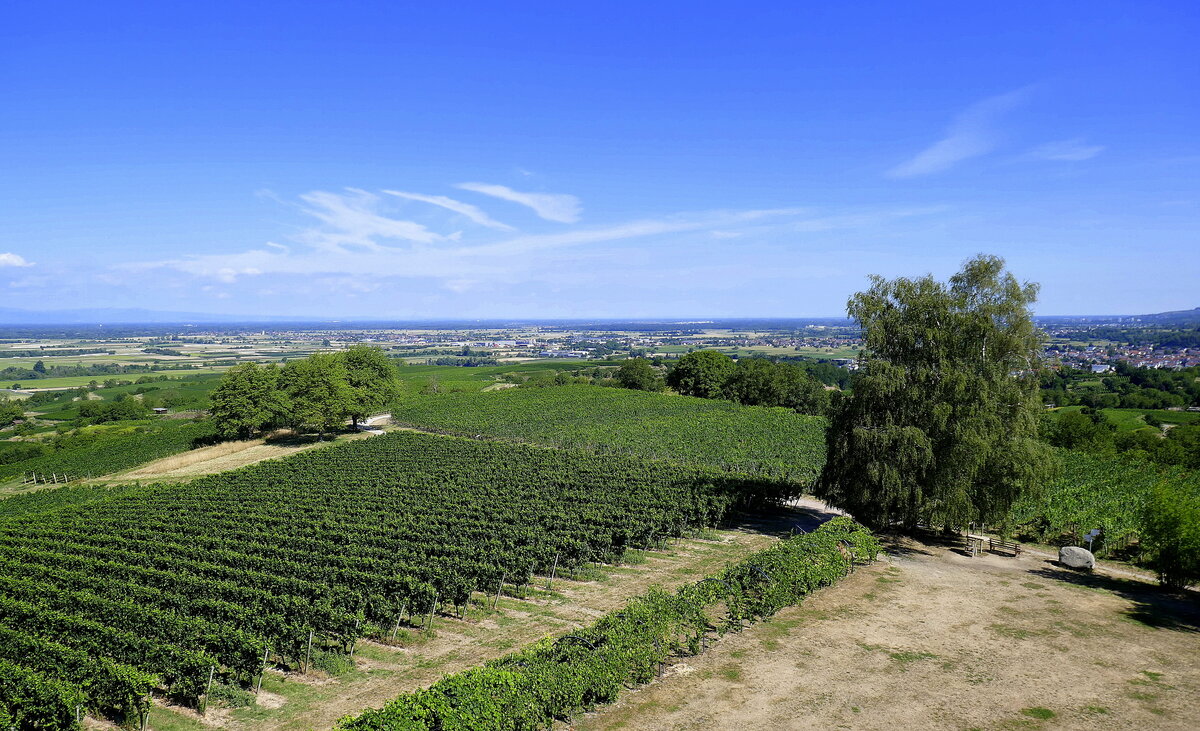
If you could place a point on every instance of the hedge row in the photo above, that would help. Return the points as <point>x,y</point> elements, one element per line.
<point>557,678</point>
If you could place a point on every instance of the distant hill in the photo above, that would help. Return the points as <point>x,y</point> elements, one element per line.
<point>1176,317</point>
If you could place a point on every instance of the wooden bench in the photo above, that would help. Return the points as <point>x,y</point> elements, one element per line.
<point>999,545</point>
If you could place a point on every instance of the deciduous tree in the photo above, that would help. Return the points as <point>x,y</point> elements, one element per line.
<point>941,423</point>
<point>702,373</point>
<point>247,401</point>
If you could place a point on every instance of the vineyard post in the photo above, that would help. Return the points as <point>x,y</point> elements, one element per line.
<point>396,629</point>
<point>258,685</point>
<point>208,689</point>
<point>553,571</point>
<point>499,588</point>
<point>145,718</point>
<point>432,612</point>
<point>354,643</point>
<point>308,651</point>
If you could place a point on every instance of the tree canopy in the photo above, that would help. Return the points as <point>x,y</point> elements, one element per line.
<point>247,401</point>
<point>761,382</point>
<point>640,375</point>
<point>318,393</point>
<point>702,373</point>
<point>941,425</point>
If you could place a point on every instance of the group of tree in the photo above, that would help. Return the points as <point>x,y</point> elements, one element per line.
<point>318,393</point>
<point>1089,430</point>
<point>712,374</point>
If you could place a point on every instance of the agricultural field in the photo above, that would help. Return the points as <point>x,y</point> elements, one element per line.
<point>109,599</point>
<point>768,442</point>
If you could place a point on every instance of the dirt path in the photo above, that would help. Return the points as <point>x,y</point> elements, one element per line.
<point>931,639</point>
<point>220,458</point>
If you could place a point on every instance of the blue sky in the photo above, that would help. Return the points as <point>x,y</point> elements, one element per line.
<point>593,159</point>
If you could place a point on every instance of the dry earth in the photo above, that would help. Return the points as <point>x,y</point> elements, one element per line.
<point>221,458</point>
<point>932,639</point>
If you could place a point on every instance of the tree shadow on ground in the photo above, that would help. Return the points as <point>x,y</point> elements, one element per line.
<point>781,522</point>
<point>899,544</point>
<point>1153,606</point>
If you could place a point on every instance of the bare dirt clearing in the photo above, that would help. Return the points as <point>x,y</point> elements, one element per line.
<point>931,639</point>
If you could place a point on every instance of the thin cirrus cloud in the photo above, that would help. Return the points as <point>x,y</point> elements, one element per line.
<point>466,209</point>
<point>557,207</point>
<point>10,259</point>
<point>972,133</point>
<point>1065,151</point>
<point>454,260</point>
<point>351,219</point>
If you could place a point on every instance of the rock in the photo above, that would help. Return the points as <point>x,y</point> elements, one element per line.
<point>1076,557</point>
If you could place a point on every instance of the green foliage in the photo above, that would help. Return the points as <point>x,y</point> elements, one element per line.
<point>247,401</point>
<point>703,373</point>
<point>940,426</point>
<point>172,580</point>
<point>1171,535</point>
<point>773,443</point>
<point>551,681</point>
<point>639,375</point>
<point>10,411</point>
<point>1103,491</point>
<point>125,408</point>
<point>372,378</point>
<point>761,382</point>
<point>103,450</point>
<point>318,391</point>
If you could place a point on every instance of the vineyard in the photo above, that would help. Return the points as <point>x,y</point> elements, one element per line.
<point>557,678</point>
<point>109,597</point>
<point>1097,491</point>
<point>767,441</point>
<point>106,450</point>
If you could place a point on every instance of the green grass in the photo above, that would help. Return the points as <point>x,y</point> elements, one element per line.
<point>1042,714</point>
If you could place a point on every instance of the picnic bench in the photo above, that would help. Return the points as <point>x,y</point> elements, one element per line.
<point>974,545</point>
<point>999,545</point>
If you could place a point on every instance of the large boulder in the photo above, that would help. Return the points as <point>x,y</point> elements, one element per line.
<point>1076,557</point>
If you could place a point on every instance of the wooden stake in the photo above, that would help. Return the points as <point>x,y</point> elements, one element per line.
<point>308,652</point>
<point>208,689</point>
<point>499,588</point>
<point>550,584</point>
<point>432,612</point>
<point>258,685</point>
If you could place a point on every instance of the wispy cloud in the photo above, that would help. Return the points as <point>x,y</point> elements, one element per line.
<point>550,206</point>
<point>1065,150</point>
<point>466,209</point>
<point>14,260</point>
<point>352,220</point>
<point>972,133</point>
